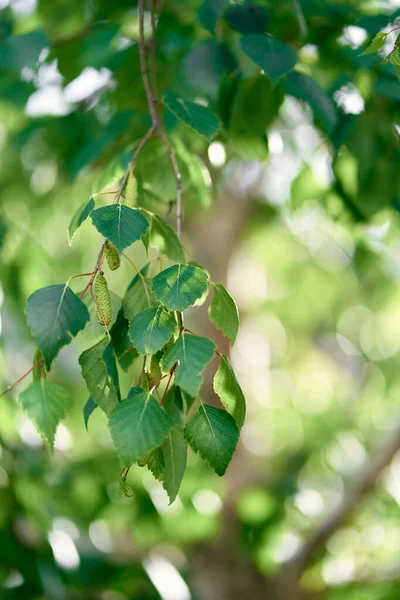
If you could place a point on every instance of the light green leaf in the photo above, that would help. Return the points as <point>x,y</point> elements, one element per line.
<point>197,117</point>
<point>175,453</point>
<point>224,312</point>
<point>275,57</point>
<point>139,295</point>
<point>164,238</point>
<point>377,43</point>
<point>79,217</point>
<point>45,404</point>
<point>213,434</point>
<point>179,286</point>
<point>227,387</point>
<point>120,224</point>
<point>138,425</point>
<point>150,330</point>
<point>98,380</point>
<point>395,57</point>
<point>156,463</point>
<point>55,315</point>
<point>192,353</point>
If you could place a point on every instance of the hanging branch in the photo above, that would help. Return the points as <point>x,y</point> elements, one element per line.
<point>363,485</point>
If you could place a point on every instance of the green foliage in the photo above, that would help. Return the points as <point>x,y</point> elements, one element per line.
<point>377,44</point>
<point>192,353</point>
<point>138,425</point>
<point>275,57</point>
<point>224,312</point>
<point>229,391</point>
<point>179,286</point>
<point>89,407</point>
<point>151,329</point>
<point>45,404</point>
<point>98,379</point>
<point>139,296</point>
<point>174,451</point>
<point>164,238</point>
<point>197,117</point>
<point>55,315</point>
<point>120,224</point>
<point>212,433</point>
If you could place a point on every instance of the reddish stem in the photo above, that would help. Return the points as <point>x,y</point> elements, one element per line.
<point>11,387</point>
<point>168,383</point>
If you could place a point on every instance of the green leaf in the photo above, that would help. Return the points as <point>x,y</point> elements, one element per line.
<point>224,312</point>
<point>395,57</point>
<point>179,286</point>
<point>98,380</point>
<point>199,118</point>
<point>209,13</point>
<point>89,407</point>
<point>164,238</point>
<point>19,51</point>
<point>120,334</point>
<point>55,316</point>
<point>138,425</point>
<point>79,217</point>
<point>227,387</point>
<point>156,463</point>
<point>139,296</point>
<point>150,330</point>
<point>45,404</point>
<point>275,57</point>
<point>120,224</point>
<point>377,43</point>
<point>306,88</point>
<point>175,453</point>
<point>213,434</point>
<point>192,353</point>
<point>249,18</point>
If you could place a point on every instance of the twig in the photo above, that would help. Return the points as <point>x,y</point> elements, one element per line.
<point>11,387</point>
<point>142,142</point>
<point>153,63</point>
<point>168,383</point>
<point>143,67</point>
<point>301,18</point>
<point>363,484</point>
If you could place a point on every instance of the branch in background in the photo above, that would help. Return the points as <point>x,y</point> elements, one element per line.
<point>363,484</point>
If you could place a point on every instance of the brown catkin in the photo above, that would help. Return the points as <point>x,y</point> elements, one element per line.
<point>102,296</point>
<point>112,257</point>
<point>39,371</point>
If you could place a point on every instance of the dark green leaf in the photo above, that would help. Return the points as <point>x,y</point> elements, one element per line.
<point>228,389</point>
<point>199,118</point>
<point>138,425</point>
<point>224,312</point>
<point>89,407</point>
<point>175,452</point>
<point>213,434</point>
<point>79,217</point>
<point>249,18</point>
<point>45,404</point>
<point>150,330</point>
<point>209,13</point>
<point>179,286</point>
<point>120,224</point>
<point>275,57</point>
<point>21,51</point>
<point>164,238</point>
<point>192,353</point>
<point>55,315</point>
<point>98,380</point>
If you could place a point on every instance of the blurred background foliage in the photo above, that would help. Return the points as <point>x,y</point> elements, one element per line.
<point>295,206</point>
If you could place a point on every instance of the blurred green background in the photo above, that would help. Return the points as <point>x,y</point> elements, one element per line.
<point>295,207</point>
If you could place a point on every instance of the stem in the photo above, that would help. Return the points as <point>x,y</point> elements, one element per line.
<point>142,142</point>
<point>168,383</point>
<point>11,387</point>
<point>89,284</point>
<point>143,67</point>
